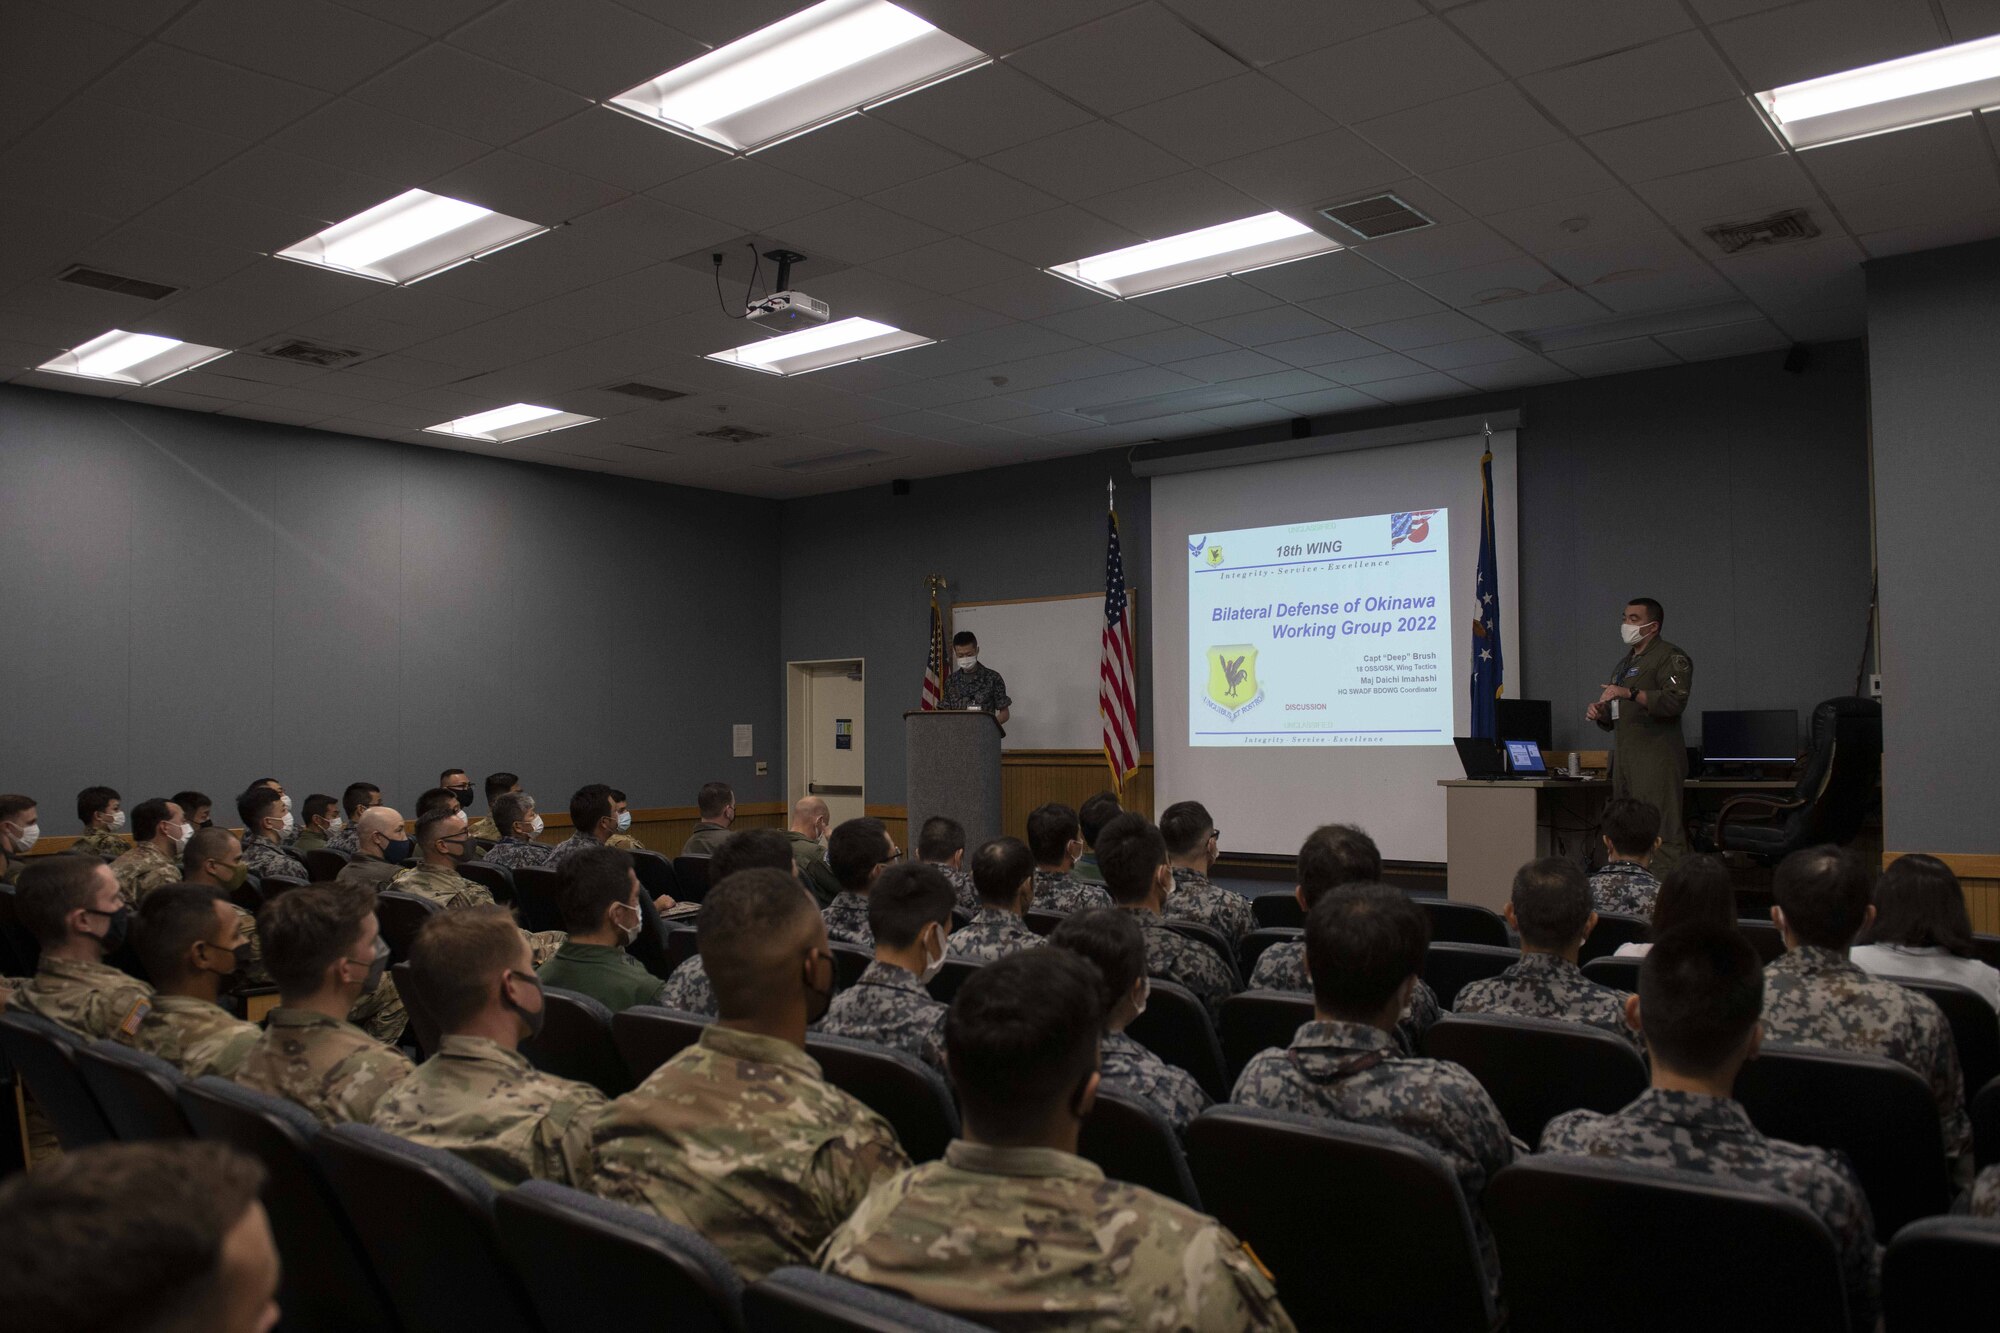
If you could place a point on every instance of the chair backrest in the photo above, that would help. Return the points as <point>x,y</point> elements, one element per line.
<point>1176,1027</point>
<point>422,1214</point>
<point>1257,1020</point>
<point>45,1057</point>
<point>20,953</point>
<point>1534,1069</point>
<point>1975,1028</point>
<point>575,1042</point>
<point>1280,908</point>
<point>1253,945</point>
<point>1042,922</point>
<point>1450,966</point>
<point>691,875</point>
<point>895,1085</point>
<point>1581,1238</point>
<point>648,1035</point>
<point>804,1300</point>
<point>325,863</point>
<point>1942,1275</point>
<point>1134,1143</point>
<point>535,898</point>
<point>1840,774</point>
<point>1612,930</point>
<point>849,962</point>
<point>1764,937</point>
<point>401,915</point>
<point>423,1024</point>
<point>1213,938</point>
<point>499,880</point>
<point>944,986</point>
<point>336,1287</point>
<point>1464,923</point>
<point>656,874</point>
<point>591,1263</point>
<point>1617,973</point>
<point>273,885</point>
<point>1361,1227</point>
<point>1876,1111</point>
<point>140,1093</point>
<point>649,946</point>
<point>1984,1106</point>
<point>683,943</point>
<point>1986,948</point>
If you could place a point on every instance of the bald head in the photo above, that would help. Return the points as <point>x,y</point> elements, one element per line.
<point>810,817</point>
<point>375,829</point>
<point>755,931</point>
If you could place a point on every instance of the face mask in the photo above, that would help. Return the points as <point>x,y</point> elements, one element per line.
<point>334,823</point>
<point>1631,633</point>
<point>117,821</point>
<point>626,934</point>
<point>285,801</point>
<point>535,825</point>
<point>181,837</point>
<point>624,820</point>
<point>932,966</point>
<point>458,850</point>
<point>25,840</point>
<point>534,1018</point>
<point>464,795</point>
<point>117,925</point>
<point>967,663</point>
<point>235,956</point>
<point>376,966</point>
<point>233,876</point>
<point>1145,994</point>
<point>397,850</point>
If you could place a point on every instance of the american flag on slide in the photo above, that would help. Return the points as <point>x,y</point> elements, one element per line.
<point>1118,674</point>
<point>934,667</point>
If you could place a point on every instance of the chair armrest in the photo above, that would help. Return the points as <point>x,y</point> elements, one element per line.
<point>1771,808</point>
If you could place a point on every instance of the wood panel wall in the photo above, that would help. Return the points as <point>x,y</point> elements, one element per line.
<point>1979,876</point>
<point>1029,778</point>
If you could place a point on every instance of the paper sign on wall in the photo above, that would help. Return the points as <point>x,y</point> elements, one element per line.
<point>741,747</point>
<point>843,733</point>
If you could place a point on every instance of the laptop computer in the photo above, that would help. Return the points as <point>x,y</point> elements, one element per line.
<point>1524,759</point>
<point>1480,758</point>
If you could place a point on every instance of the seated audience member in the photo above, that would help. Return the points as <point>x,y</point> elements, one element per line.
<point>102,815</point>
<point>438,798</point>
<point>487,826</point>
<point>1364,946</point>
<point>321,821</point>
<point>71,905</point>
<point>1698,888</point>
<point>1700,990</point>
<point>856,852</point>
<point>746,849</point>
<point>715,803</point>
<point>1550,907</point>
<point>807,833</point>
<point>1109,940</point>
<point>159,832</point>
<point>164,1237</point>
<point>594,822</point>
<point>941,843</point>
<point>1921,929</point>
<point>459,783</point>
<point>264,819</point>
<point>1134,859</point>
<point>1091,817</point>
<point>520,827</point>
<point>379,849</point>
<point>442,846</point>
<point>1054,839</point>
<point>191,941</point>
<point>597,892</point>
<point>1192,851</point>
<point>739,1137</point>
<point>359,796</point>
<point>325,951</point>
<point>621,814</point>
<point>1814,996</point>
<point>1004,874</point>
<point>909,915</point>
<point>196,806</point>
<point>1631,834</point>
<point>1013,1230</point>
<point>20,830</point>
<point>478,1096</point>
<point>288,828</point>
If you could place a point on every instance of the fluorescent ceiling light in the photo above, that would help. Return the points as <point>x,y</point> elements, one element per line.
<point>820,64</point>
<point>132,358</point>
<point>1894,95</point>
<point>503,425</point>
<point>414,236</point>
<point>832,344</point>
<point>1197,256</point>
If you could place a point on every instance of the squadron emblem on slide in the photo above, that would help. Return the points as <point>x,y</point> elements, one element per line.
<point>1232,680</point>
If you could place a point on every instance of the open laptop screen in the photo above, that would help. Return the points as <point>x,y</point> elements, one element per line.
<point>1525,757</point>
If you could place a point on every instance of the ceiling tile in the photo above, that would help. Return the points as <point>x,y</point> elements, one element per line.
<point>207,93</point>
<point>1324,169</point>
<point>1224,120</point>
<point>433,17</point>
<point>1669,288</point>
<point>460,92</point>
<point>295,184</point>
<point>57,53</point>
<point>1732,193</point>
<point>1000,29</point>
<point>1509,279</point>
<point>1236,364</point>
<point>1031,295</point>
<point>967,195</point>
<point>1126,60</point>
<point>1265,33</point>
<point>1418,388</point>
<point>983,111</point>
<point>949,266</point>
<point>1880,159</point>
<point>617,149</point>
<point>1804,41</point>
<point>1553,309</point>
<point>1056,237</point>
<point>1216,299</point>
<point>377,143</point>
<point>1931,234</point>
<point>1514,374</point>
<point>1480,351</point>
<point>113,141</point>
<point>858,231</point>
<point>1275,324</point>
<point>1174,204</point>
<point>1391,70</point>
<point>744,191</point>
<point>1528,35</point>
<point>1326,402</point>
<point>1677,73</point>
<point>1374,305</point>
<point>1439,249</point>
<point>859,155</point>
<point>1967,19</point>
<point>1729,340</point>
<point>1167,345</point>
<point>1927,201</point>
<point>1425,330</point>
<point>1615,358</point>
<point>1582,220</point>
<point>1320,349</point>
<point>1531,176</point>
<point>158,255</point>
<point>1487,122</point>
<point>592,47</point>
<point>315,43</point>
<point>1322,275</point>
<point>1686,141</point>
<point>1087,161</point>
<point>525,188</point>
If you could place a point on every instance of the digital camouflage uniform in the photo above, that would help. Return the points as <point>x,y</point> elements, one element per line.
<point>1651,763</point>
<point>992,934</point>
<point>514,853</point>
<point>705,839</point>
<point>612,977</point>
<point>1986,1193</point>
<point>740,1139</point>
<point>890,1007</point>
<point>1543,985</point>
<point>568,847</point>
<point>1022,1239</point>
<point>977,687</point>
<point>810,857</point>
<point>1172,956</point>
<point>1195,899</point>
<point>964,893</point>
<point>367,872</point>
<point>847,920</point>
<point>333,1069</point>
<point>1057,892</point>
<point>1689,1131</point>
<point>688,989</point>
<point>346,838</point>
<point>104,843</point>
<point>265,857</point>
<point>1135,1071</point>
<point>194,1036</point>
<point>143,869</point>
<point>1624,887</point>
<point>508,1120</point>
<point>1283,967</point>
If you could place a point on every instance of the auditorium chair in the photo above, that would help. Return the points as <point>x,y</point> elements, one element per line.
<point>1975,1028</point>
<point>1831,799</point>
<point>399,916</point>
<point>575,1042</point>
<point>1534,1069</point>
<point>950,977</point>
<point>649,1035</point>
<point>1131,1141</point>
<point>1042,923</point>
<point>804,1300</point>
<point>1588,1243</point>
<point>589,1263</point>
<point>1984,1106</point>
<point>481,846</point>
<point>535,898</point>
<point>691,874</point>
<point>1253,945</point>
<point>422,1214</point>
<point>849,962</point>
<point>273,885</point>
<point>324,863</point>
<point>1942,1275</point>
<point>1449,966</point>
<point>1176,1027</point>
<point>1465,923</point>
<point>1878,1112</point>
<point>332,1287</point>
<point>1258,1020</point>
<point>683,943</point>
<point>1612,930</point>
<point>139,1093</point>
<point>1617,973</point>
<point>1360,1227</point>
<point>498,880</point>
<point>960,918</point>
<point>1986,948</point>
<point>896,1085</point>
<point>44,1057</point>
<point>1217,943</point>
<point>423,1026</point>
<point>656,874</point>
<point>20,954</point>
<point>1764,937</point>
<point>249,895</point>
<point>649,946</point>
<point>1280,907</point>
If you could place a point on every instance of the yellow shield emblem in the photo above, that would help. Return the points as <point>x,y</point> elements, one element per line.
<point>1215,555</point>
<point>1232,676</point>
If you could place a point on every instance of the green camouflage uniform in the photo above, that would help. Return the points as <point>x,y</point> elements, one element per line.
<point>104,843</point>
<point>93,1000</point>
<point>141,870</point>
<point>367,872</point>
<point>612,977</point>
<point>333,1069</point>
<point>194,1036</point>
<point>451,891</point>
<point>484,827</point>
<point>508,1120</point>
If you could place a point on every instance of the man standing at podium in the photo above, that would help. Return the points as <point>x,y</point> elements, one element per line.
<point>971,685</point>
<point>1641,706</point>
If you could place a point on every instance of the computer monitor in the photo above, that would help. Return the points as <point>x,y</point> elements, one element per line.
<point>1750,736</point>
<point>1525,719</point>
<point>1525,757</point>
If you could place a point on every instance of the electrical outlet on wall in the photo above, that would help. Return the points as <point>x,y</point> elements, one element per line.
<point>1875,685</point>
<point>763,769</point>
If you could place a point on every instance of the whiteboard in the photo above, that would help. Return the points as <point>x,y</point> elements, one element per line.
<point>1048,650</point>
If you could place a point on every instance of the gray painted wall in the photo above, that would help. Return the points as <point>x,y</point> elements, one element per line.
<point>199,601</point>
<point>1934,344</point>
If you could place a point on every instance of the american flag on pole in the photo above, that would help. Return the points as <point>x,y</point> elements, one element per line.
<point>1118,673</point>
<point>934,665</point>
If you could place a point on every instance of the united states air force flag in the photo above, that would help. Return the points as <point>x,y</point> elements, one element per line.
<point>1486,659</point>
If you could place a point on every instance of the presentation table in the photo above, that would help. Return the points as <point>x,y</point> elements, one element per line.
<point>1495,826</point>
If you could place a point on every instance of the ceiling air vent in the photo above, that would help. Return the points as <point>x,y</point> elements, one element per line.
<point>834,462</point>
<point>1794,224</point>
<point>301,352</point>
<point>650,392</point>
<point>111,282</point>
<point>734,434</point>
<point>1377,215</point>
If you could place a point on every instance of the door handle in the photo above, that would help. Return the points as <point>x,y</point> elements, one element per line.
<point>831,789</point>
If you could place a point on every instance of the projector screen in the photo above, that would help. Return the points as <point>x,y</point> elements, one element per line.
<point>1312,638</point>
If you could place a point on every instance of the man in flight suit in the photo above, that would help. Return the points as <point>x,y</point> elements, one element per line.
<point>1641,706</point>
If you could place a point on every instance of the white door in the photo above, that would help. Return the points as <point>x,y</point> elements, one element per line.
<point>832,736</point>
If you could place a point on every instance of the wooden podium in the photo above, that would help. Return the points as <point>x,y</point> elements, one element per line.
<point>953,769</point>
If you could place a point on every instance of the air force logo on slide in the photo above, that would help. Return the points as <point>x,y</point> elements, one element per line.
<point>1414,528</point>
<point>1194,546</point>
<point>1232,680</point>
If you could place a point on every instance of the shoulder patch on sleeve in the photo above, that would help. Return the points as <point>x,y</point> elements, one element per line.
<point>1680,663</point>
<point>135,1016</point>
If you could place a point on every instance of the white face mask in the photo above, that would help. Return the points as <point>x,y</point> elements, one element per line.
<point>1145,994</point>
<point>629,933</point>
<point>933,966</point>
<point>181,837</point>
<point>1631,633</point>
<point>117,821</point>
<point>25,840</point>
<point>967,663</point>
<point>334,823</point>
<point>285,801</point>
<point>287,827</point>
<point>535,825</point>
<point>624,820</point>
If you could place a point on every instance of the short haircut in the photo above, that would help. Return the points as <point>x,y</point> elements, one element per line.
<point>618,797</point>
<point>1697,889</point>
<point>92,801</point>
<point>255,804</point>
<point>124,1236</point>
<point>854,849</point>
<point>748,933</point>
<point>13,804</point>
<point>1110,941</point>
<point>1362,942</point>
<point>1551,902</point>
<point>1655,613</point>
<point>940,839</point>
<point>358,797</point>
<point>207,844</point>
<point>1051,827</point>
<point>499,784</point>
<point>510,809</point>
<point>714,798</point>
<point>1130,853</point>
<point>1185,826</point>
<point>304,930</point>
<point>169,920</point>
<point>49,889</point>
<point>1700,989</point>
<point>1823,892</point>
<point>1000,868</point>
<point>189,801</point>
<point>750,849</point>
<point>907,898</point>
<point>1920,905</point>
<point>430,824</point>
<point>147,816</point>
<point>317,804</point>
<point>588,883</point>
<point>1632,827</point>
<point>272,783</point>
<point>1337,854</point>
<point>1096,812</point>
<point>965,638</point>
<point>1022,1036</point>
<point>446,774</point>
<point>589,805</point>
<point>436,798</point>
<point>455,955</point>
